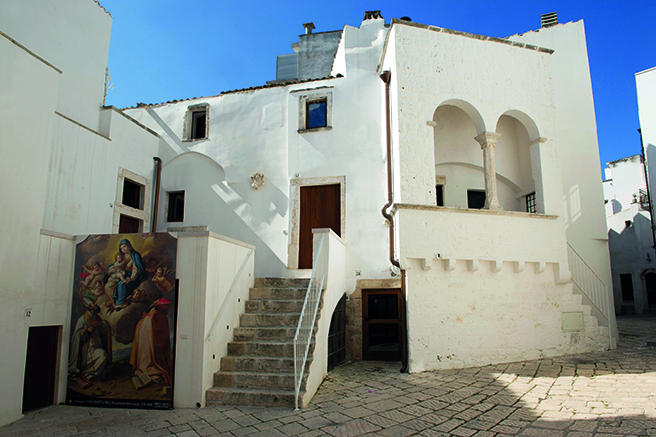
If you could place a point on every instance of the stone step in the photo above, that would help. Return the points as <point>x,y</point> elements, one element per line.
<point>265,319</point>
<point>270,293</point>
<point>265,349</point>
<point>254,380</point>
<point>277,349</point>
<point>266,398</point>
<point>256,363</point>
<point>247,333</point>
<point>282,282</point>
<point>275,306</point>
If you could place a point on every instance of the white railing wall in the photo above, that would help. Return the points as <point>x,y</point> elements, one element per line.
<point>327,278</point>
<point>592,287</point>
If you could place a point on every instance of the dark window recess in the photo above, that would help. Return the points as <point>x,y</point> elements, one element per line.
<point>439,195</point>
<point>627,287</point>
<point>627,223</point>
<point>531,203</point>
<point>131,194</point>
<point>337,335</point>
<point>475,199</point>
<point>176,206</point>
<point>199,125</point>
<point>128,225</point>
<point>316,114</point>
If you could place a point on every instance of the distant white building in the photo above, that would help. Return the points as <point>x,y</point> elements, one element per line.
<point>630,236</point>
<point>482,153</point>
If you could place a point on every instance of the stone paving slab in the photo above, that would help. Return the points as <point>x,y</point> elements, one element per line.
<point>610,393</point>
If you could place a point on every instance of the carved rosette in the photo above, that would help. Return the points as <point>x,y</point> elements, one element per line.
<point>257,181</point>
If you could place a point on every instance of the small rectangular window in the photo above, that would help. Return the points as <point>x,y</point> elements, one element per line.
<point>475,199</point>
<point>131,194</point>
<point>198,125</point>
<point>176,206</point>
<point>531,203</point>
<point>439,195</point>
<point>627,223</point>
<point>129,225</point>
<point>316,114</point>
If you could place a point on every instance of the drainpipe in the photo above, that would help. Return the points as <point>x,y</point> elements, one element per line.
<point>644,168</point>
<point>158,163</point>
<point>385,77</point>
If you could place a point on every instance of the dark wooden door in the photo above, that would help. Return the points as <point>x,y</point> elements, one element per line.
<point>128,225</point>
<point>320,208</point>
<point>382,330</point>
<point>650,279</point>
<point>40,366</point>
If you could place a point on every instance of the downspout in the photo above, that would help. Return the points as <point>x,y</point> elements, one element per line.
<point>385,77</point>
<point>158,163</point>
<point>644,168</point>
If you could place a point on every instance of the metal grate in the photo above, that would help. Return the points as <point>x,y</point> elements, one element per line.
<point>531,203</point>
<point>337,335</point>
<point>550,19</point>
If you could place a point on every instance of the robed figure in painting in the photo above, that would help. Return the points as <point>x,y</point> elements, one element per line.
<point>151,348</point>
<point>88,357</point>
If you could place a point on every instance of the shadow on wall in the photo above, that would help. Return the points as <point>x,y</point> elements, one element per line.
<point>234,210</point>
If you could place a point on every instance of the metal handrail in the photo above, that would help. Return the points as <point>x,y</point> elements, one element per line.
<point>591,286</point>
<point>306,322</point>
<point>227,299</point>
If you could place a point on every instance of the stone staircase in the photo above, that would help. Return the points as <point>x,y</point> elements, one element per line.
<point>259,367</point>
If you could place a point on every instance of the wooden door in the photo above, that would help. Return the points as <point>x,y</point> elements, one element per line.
<point>320,208</point>
<point>128,225</point>
<point>40,366</point>
<point>382,325</point>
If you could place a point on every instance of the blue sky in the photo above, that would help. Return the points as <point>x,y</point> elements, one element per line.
<point>166,50</point>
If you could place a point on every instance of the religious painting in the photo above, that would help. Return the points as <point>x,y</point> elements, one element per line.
<point>123,319</point>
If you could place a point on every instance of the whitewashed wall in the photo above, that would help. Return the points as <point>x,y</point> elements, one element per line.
<point>575,128</point>
<point>25,133</point>
<point>646,89</point>
<point>256,131</point>
<point>77,44</point>
<point>207,265</point>
<point>631,247</point>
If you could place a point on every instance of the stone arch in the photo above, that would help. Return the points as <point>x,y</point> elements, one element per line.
<point>518,161</point>
<point>458,156</point>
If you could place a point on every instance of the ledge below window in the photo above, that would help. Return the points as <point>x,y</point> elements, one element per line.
<point>315,129</point>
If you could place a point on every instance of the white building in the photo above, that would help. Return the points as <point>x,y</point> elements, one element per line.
<point>630,236</point>
<point>498,250</point>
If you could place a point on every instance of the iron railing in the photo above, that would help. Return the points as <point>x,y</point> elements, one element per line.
<point>306,322</point>
<point>592,287</point>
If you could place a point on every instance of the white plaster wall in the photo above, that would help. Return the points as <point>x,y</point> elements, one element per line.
<point>74,37</point>
<point>84,168</point>
<point>206,267</point>
<point>256,131</point>
<point>25,132</point>
<point>491,77</point>
<point>646,89</point>
<point>461,318</point>
<point>631,248</point>
<point>575,130</point>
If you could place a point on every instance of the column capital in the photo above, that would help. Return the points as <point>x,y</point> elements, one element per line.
<point>539,140</point>
<point>487,139</point>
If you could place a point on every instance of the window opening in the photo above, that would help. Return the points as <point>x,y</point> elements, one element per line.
<point>626,282</point>
<point>176,206</point>
<point>439,195</point>
<point>475,199</point>
<point>131,194</point>
<point>627,223</point>
<point>198,125</point>
<point>531,203</point>
<point>129,225</point>
<point>316,114</point>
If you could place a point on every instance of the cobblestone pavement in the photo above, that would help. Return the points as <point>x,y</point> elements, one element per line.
<point>609,393</point>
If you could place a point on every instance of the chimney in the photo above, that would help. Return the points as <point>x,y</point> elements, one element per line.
<point>309,27</point>
<point>550,19</point>
<point>372,15</point>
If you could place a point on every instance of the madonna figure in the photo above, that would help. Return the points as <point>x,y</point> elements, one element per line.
<point>134,272</point>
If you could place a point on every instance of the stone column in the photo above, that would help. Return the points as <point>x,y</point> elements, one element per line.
<point>488,140</point>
